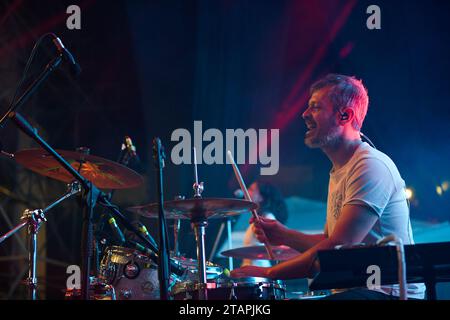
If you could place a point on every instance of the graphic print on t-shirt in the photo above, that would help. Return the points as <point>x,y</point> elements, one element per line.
<point>336,204</point>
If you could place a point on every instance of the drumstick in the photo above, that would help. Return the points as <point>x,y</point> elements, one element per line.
<point>247,197</point>
<point>195,166</point>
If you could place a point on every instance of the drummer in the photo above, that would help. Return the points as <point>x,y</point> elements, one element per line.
<point>366,194</point>
<point>271,206</point>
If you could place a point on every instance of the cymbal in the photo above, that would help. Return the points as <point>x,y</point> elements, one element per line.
<point>196,208</point>
<point>104,174</point>
<point>281,253</point>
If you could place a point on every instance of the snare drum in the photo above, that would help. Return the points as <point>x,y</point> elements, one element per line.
<point>250,288</point>
<point>213,271</point>
<point>133,275</point>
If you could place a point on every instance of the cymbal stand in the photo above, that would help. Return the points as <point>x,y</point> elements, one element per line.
<point>199,226</point>
<point>34,219</point>
<point>230,244</point>
<point>199,223</point>
<point>176,232</point>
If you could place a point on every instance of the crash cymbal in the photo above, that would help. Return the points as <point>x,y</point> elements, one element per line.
<point>104,174</point>
<point>281,253</point>
<point>196,208</point>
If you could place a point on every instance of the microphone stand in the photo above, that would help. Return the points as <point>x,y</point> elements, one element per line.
<point>163,272</point>
<point>49,68</point>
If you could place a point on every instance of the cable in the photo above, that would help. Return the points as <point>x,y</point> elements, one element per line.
<point>367,139</point>
<point>28,65</point>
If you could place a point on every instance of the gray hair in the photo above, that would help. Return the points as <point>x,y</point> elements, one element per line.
<point>348,92</point>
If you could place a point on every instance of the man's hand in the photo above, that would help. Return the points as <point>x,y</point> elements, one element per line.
<point>250,271</point>
<point>275,233</point>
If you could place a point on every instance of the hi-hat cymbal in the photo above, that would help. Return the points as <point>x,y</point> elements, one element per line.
<point>104,174</point>
<point>197,208</point>
<point>281,253</point>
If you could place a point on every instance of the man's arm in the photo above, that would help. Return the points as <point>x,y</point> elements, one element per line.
<point>301,241</point>
<point>352,227</point>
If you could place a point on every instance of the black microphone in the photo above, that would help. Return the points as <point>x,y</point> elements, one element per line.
<point>75,68</point>
<point>116,230</point>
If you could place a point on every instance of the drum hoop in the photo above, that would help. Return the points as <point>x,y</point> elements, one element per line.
<point>251,281</point>
<point>123,255</point>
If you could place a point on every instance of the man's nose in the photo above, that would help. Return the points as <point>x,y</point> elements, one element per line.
<point>305,114</point>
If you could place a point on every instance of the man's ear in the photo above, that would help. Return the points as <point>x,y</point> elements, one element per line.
<point>347,115</point>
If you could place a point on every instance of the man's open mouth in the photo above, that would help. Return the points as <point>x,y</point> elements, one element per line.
<point>310,127</point>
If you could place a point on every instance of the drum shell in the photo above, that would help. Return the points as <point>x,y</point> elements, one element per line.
<point>233,289</point>
<point>133,275</point>
<point>98,290</point>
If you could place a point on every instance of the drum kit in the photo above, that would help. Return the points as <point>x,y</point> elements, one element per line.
<point>135,269</point>
<point>130,271</point>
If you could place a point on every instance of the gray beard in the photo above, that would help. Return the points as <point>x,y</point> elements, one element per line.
<point>330,140</point>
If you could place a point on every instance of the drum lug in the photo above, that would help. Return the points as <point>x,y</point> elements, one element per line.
<point>259,291</point>
<point>232,293</point>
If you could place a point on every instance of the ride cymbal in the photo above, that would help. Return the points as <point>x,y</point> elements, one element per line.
<point>196,208</point>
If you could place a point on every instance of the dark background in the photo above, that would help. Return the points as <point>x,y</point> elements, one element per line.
<point>150,67</point>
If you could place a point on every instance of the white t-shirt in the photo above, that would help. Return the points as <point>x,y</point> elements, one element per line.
<point>370,178</point>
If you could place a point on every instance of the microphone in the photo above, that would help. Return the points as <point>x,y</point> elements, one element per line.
<point>131,149</point>
<point>117,232</point>
<point>175,267</point>
<point>143,230</point>
<point>128,153</point>
<point>75,68</point>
